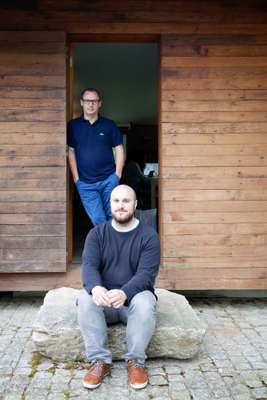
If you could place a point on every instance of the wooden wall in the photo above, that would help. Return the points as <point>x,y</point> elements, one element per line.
<point>32,152</point>
<point>212,147</point>
<point>213,161</point>
<point>135,16</point>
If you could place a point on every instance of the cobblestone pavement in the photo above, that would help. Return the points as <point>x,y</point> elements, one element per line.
<point>232,363</point>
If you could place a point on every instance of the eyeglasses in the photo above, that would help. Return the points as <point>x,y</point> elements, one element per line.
<point>88,101</point>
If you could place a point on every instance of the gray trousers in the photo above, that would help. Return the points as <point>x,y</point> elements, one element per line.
<point>139,316</point>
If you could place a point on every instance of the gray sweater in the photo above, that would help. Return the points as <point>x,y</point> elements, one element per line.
<point>121,260</point>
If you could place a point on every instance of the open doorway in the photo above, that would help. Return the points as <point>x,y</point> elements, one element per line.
<point>126,74</point>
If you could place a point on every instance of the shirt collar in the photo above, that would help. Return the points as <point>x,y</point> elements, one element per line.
<point>96,122</point>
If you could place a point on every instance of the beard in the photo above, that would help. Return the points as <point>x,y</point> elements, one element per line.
<point>123,219</point>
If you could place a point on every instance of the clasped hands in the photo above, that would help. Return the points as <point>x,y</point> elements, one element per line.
<point>108,298</point>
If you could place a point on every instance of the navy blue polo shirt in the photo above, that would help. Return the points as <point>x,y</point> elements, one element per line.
<point>93,145</point>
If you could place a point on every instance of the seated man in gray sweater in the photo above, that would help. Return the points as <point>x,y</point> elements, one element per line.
<point>120,263</point>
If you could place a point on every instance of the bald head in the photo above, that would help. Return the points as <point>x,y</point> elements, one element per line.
<point>123,190</point>
<point>123,204</point>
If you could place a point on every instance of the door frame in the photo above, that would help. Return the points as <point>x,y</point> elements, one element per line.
<point>105,38</point>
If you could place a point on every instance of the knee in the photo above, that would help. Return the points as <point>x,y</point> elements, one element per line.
<point>144,305</point>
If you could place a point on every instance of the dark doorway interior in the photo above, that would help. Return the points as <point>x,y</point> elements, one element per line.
<point>126,74</point>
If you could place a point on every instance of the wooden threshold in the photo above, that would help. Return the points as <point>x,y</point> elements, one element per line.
<point>41,281</point>
<point>30,282</point>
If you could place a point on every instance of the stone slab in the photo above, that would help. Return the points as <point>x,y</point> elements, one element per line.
<point>56,334</point>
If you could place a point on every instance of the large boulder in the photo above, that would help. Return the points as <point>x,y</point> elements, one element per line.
<point>56,333</point>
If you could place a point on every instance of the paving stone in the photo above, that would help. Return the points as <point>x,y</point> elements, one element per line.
<point>35,394</point>
<point>78,374</point>
<point>224,372</point>
<point>60,378</point>
<point>175,387</point>
<point>256,363</point>
<point>59,388</point>
<point>81,391</point>
<point>18,383</point>
<point>251,379</point>
<point>195,379</point>
<point>85,396</point>
<point>176,378</point>
<point>60,381</point>
<point>180,395</point>
<point>156,391</point>
<point>207,366</point>
<point>231,364</point>
<point>160,380</point>
<point>220,392</point>
<point>243,396</point>
<point>12,396</point>
<point>226,398</point>
<point>140,394</point>
<point>41,380</point>
<point>156,371</point>
<point>119,372</point>
<point>259,393</point>
<point>56,396</point>
<point>239,388</point>
<point>199,394</point>
<point>172,370</point>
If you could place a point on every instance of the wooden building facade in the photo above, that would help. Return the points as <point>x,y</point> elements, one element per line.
<point>212,140</point>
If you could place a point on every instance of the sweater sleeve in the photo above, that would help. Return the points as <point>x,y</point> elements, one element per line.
<point>91,262</point>
<point>147,269</point>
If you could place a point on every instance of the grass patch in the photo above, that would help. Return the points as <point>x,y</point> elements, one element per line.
<point>66,394</point>
<point>51,370</point>
<point>36,360</point>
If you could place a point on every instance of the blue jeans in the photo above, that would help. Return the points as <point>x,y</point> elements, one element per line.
<point>139,316</point>
<point>96,198</point>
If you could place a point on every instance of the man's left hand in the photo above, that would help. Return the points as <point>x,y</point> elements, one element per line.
<point>117,297</point>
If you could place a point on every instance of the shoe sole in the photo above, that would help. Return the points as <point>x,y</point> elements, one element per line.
<point>88,386</point>
<point>137,386</point>
<point>91,386</point>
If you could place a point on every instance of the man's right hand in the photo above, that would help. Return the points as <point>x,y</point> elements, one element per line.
<point>100,297</point>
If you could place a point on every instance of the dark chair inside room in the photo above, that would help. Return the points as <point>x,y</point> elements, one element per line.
<point>134,177</point>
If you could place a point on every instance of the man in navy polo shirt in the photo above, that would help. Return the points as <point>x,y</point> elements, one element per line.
<point>91,139</point>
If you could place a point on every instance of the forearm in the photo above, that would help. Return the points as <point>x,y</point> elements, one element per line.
<point>73,164</point>
<point>90,275</point>
<point>147,270</point>
<point>91,258</point>
<point>119,159</point>
<point>140,282</point>
<point>90,284</point>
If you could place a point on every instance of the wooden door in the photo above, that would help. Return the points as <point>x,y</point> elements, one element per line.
<point>33,152</point>
<point>213,172</point>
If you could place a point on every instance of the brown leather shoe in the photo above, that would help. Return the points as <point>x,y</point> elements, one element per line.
<point>137,375</point>
<point>96,374</point>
